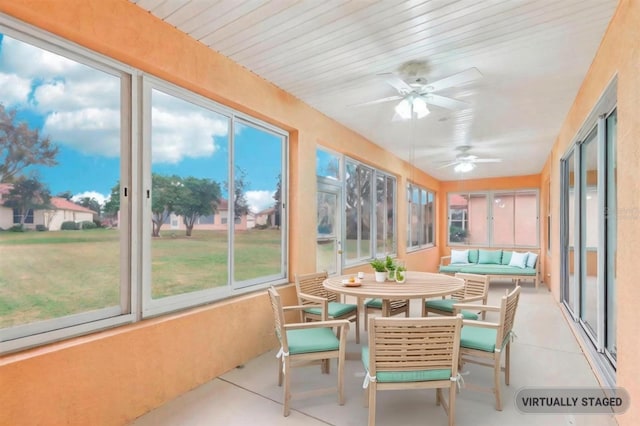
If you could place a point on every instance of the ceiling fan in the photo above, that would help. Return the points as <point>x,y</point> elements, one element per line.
<point>415,92</point>
<point>465,162</point>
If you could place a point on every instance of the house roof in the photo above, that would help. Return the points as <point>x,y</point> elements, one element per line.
<point>58,203</point>
<point>64,204</point>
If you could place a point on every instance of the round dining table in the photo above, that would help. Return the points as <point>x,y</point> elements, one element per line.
<point>418,285</point>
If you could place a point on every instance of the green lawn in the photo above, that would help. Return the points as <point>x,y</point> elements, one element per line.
<point>51,274</point>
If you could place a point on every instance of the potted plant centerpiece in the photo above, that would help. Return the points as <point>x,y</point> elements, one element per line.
<point>391,268</point>
<point>380,269</point>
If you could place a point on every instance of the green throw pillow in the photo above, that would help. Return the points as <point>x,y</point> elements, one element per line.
<point>506,257</point>
<point>489,257</point>
<point>473,256</point>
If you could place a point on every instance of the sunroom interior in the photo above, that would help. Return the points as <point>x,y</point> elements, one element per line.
<point>160,124</point>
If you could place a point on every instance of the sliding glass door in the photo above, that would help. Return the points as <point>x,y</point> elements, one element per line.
<point>589,229</point>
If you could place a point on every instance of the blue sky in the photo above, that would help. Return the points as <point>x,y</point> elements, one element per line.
<point>78,108</point>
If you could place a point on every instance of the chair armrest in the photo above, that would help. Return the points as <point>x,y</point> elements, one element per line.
<point>299,307</point>
<point>312,298</point>
<point>459,306</point>
<point>470,299</point>
<point>484,324</point>
<point>317,324</point>
<point>442,260</point>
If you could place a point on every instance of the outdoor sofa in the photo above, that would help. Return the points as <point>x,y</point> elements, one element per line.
<point>496,263</point>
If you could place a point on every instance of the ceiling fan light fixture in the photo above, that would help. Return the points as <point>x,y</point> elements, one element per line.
<point>420,108</point>
<point>403,109</point>
<point>464,167</point>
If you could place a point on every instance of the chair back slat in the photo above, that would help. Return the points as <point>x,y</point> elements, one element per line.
<point>409,344</point>
<point>312,284</point>
<point>509,304</point>
<point>278,315</point>
<point>474,285</point>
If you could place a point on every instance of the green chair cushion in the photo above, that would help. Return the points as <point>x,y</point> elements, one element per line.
<point>452,269</point>
<point>312,340</point>
<point>447,306</point>
<point>335,309</point>
<point>489,256</point>
<point>406,376</point>
<point>374,303</point>
<point>481,338</point>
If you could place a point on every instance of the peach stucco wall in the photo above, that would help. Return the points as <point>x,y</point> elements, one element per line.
<point>111,377</point>
<point>619,54</point>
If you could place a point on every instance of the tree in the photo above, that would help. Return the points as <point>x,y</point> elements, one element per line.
<point>21,147</point>
<point>112,205</point>
<point>165,193</point>
<point>67,195</point>
<point>27,194</point>
<point>278,203</point>
<point>197,197</point>
<point>90,203</point>
<point>240,203</point>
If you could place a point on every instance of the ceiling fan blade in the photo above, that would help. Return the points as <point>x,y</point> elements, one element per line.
<point>444,102</point>
<point>487,160</point>
<point>397,83</point>
<point>449,164</point>
<point>462,77</point>
<point>378,101</point>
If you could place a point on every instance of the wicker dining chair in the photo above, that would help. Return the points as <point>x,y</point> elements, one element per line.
<point>476,289</point>
<point>311,292</point>
<point>412,353</point>
<point>484,342</point>
<point>303,344</point>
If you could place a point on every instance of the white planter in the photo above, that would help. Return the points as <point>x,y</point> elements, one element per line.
<point>381,276</point>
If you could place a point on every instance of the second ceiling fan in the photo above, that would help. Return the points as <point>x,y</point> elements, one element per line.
<point>415,92</point>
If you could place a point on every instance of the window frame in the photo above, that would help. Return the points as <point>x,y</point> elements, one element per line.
<point>37,333</point>
<point>491,197</point>
<point>151,307</point>
<point>423,222</point>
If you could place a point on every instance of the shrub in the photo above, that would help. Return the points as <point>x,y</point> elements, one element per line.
<point>87,224</point>
<point>16,228</point>
<point>69,226</point>
<point>41,228</point>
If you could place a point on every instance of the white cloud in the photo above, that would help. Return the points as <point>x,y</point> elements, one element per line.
<point>100,198</point>
<point>260,200</point>
<point>13,89</point>
<point>90,130</point>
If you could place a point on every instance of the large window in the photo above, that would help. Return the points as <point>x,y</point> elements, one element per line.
<point>500,218</point>
<point>421,217</point>
<point>62,119</point>
<point>370,216</point>
<point>209,162</point>
<point>200,194</point>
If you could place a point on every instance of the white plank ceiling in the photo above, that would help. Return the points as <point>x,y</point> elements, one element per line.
<point>532,54</point>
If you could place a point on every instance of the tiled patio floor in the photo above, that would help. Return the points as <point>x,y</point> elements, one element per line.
<point>545,353</point>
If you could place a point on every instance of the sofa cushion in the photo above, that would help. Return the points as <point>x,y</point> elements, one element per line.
<point>506,257</point>
<point>532,259</point>
<point>473,255</point>
<point>496,270</point>
<point>459,256</point>
<point>452,269</point>
<point>518,260</point>
<point>489,257</point>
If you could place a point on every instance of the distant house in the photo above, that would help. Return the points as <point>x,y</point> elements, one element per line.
<point>62,210</point>
<point>217,221</point>
<point>268,217</point>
